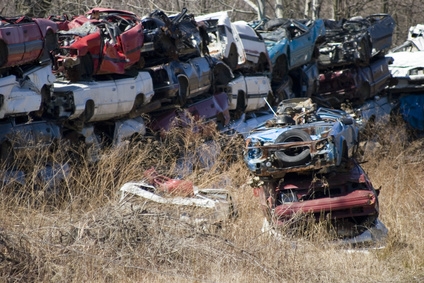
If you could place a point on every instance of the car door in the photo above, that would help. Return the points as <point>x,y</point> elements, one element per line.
<point>301,44</point>
<point>381,31</point>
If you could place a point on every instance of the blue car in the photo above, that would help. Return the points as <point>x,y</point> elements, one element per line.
<point>301,138</point>
<point>291,43</point>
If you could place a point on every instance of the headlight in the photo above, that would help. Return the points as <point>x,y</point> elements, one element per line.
<point>254,153</point>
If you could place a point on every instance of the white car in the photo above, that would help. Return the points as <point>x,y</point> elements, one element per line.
<point>101,100</point>
<point>248,93</point>
<point>237,44</point>
<point>23,94</point>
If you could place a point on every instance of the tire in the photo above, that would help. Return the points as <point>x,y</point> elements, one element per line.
<point>280,70</point>
<point>295,156</point>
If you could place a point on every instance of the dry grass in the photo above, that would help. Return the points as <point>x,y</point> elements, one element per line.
<point>81,235</point>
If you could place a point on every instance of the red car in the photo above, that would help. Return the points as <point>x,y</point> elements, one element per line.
<point>106,41</point>
<point>348,198</point>
<point>25,40</point>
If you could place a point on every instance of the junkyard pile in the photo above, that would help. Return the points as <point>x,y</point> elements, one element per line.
<point>107,77</point>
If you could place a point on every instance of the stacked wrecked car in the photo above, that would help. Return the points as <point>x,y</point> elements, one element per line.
<point>351,60</point>
<point>303,162</point>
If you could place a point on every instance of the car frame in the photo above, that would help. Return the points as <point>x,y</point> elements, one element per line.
<point>301,138</point>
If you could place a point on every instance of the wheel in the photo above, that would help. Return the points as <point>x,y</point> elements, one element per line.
<point>232,60</point>
<point>280,70</point>
<point>294,156</point>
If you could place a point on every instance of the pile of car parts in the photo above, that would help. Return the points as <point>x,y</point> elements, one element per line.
<point>205,208</point>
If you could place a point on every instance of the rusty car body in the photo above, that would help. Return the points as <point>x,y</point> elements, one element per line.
<point>109,42</point>
<point>355,84</point>
<point>25,40</point>
<point>356,41</point>
<point>347,199</point>
<point>301,138</point>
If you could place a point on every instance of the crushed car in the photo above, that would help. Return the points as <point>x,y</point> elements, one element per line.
<point>108,41</point>
<point>158,193</point>
<point>236,43</point>
<point>24,91</point>
<point>347,199</point>
<point>25,40</point>
<point>248,93</point>
<point>408,71</point>
<point>290,43</point>
<point>20,136</point>
<point>354,84</point>
<point>178,81</point>
<point>301,138</point>
<point>113,96</point>
<point>356,40</point>
<point>172,37</point>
